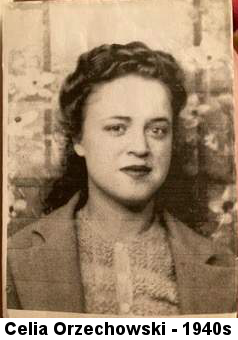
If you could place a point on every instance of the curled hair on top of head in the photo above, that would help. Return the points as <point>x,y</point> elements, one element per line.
<point>108,62</point>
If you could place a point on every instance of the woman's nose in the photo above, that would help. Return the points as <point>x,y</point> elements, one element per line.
<point>139,145</point>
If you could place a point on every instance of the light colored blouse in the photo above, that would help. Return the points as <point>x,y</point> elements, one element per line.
<point>135,276</point>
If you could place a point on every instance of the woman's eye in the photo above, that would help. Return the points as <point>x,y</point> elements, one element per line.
<point>116,130</point>
<point>158,132</point>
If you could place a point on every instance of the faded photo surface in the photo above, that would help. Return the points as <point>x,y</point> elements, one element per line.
<point>119,157</point>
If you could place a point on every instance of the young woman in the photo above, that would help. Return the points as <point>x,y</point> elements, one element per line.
<point>109,246</point>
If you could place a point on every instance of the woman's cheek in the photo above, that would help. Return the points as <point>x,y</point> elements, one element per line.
<point>163,148</point>
<point>164,159</point>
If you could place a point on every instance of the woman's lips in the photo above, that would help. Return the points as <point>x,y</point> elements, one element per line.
<point>136,171</point>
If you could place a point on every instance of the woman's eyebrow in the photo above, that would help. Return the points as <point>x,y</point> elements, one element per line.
<point>129,119</point>
<point>123,118</point>
<point>160,119</point>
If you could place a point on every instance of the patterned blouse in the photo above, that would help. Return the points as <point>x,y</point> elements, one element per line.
<point>135,276</point>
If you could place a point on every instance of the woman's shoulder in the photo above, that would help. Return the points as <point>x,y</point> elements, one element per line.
<point>24,238</point>
<point>48,228</point>
<point>187,241</point>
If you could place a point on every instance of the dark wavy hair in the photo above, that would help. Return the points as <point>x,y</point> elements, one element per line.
<point>104,64</point>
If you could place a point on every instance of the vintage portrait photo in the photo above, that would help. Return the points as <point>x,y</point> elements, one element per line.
<point>119,167</point>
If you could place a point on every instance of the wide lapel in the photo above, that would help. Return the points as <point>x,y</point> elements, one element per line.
<point>204,284</point>
<point>46,273</point>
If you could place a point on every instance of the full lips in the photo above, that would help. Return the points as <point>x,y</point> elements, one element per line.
<point>136,170</point>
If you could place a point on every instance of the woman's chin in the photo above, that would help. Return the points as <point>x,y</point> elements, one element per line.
<point>135,203</point>
<point>131,198</point>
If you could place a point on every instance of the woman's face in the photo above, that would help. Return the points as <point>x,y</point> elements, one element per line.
<point>127,139</point>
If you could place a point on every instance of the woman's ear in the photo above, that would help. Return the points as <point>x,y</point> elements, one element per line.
<point>79,149</point>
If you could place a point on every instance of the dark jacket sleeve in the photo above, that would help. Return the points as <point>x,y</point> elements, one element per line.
<point>11,292</point>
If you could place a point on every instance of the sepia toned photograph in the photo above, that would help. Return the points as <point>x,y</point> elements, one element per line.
<point>119,167</point>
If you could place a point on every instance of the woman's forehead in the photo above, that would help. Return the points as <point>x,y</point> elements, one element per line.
<point>130,95</point>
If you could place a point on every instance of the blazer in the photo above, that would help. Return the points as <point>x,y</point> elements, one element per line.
<point>43,267</point>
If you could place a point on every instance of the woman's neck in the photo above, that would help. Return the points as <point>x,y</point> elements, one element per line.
<point>116,219</point>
